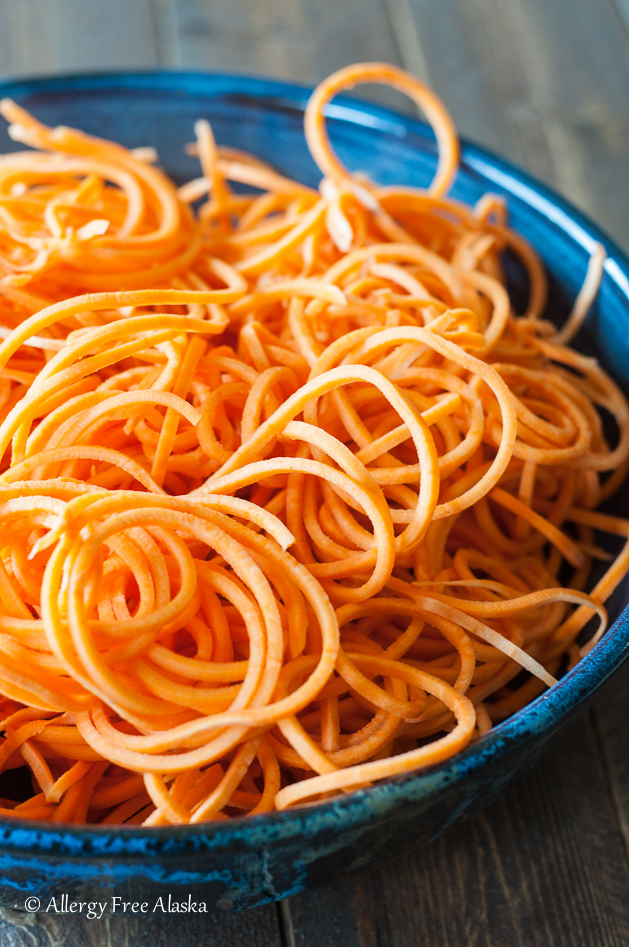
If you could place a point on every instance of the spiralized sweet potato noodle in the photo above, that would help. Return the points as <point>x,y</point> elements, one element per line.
<point>291,495</point>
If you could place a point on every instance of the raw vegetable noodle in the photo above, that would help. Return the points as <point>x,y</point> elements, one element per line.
<point>292,499</point>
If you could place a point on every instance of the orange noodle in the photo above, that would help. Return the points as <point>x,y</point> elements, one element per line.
<point>293,499</point>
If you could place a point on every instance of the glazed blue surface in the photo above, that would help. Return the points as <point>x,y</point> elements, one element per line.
<point>262,858</point>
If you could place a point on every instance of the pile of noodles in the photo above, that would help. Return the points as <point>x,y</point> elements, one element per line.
<point>291,498</point>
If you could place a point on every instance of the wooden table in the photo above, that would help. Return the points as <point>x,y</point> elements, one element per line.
<point>545,82</point>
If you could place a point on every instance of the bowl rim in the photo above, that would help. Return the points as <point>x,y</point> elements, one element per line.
<point>541,716</point>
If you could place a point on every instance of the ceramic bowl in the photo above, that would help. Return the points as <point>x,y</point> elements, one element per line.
<point>252,860</point>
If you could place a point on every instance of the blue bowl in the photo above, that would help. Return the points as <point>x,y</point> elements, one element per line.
<point>249,861</point>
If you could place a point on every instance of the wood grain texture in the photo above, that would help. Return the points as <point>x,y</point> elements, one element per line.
<point>542,866</point>
<point>622,6</point>
<point>165,31</point>
<point>303,40</point>
<point>300,40</point>
<point>546,84</point>
<point>610,720</point>
<point>44,36</point>
<point>255,928</point>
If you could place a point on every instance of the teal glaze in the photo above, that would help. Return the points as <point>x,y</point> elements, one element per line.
<point>264,858</point>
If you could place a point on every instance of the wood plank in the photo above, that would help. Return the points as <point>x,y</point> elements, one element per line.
<point>258,927</point>
<point>303,41</point>
<point>543,865</point>
<point>165,30</point>
<point>622,6</point>
<point>45,36</point>
<point>610,718</point>
<point>543,83</point>
<point>453,65</point>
